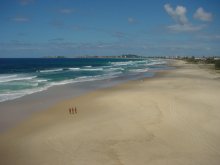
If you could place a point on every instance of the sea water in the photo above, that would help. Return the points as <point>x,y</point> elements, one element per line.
<point>20,77</point>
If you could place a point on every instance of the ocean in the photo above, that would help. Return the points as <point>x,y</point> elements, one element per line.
<point>24,76</point>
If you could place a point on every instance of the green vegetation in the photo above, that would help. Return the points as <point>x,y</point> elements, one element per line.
<point>217,64</point>
<point>191,60</point>
<point>208,60</point>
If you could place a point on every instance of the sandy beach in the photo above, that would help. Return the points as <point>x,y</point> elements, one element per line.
<point>172,118</point>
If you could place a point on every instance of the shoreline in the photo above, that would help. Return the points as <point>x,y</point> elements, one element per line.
<point>18,82</point>
<point>15,111</point>
<point>171,118</point>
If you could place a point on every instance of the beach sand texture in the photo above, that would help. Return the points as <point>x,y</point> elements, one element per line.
<point>173,119</point>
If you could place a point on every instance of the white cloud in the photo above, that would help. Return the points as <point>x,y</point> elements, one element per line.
<point>178,14</point>
<point>202,15</point>
<point>20,19</point>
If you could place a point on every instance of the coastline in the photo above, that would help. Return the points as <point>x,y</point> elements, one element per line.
<point>171,118</point>
<point>13,112</point>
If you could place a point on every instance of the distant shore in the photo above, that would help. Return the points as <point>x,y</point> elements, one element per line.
<point>172,118</point>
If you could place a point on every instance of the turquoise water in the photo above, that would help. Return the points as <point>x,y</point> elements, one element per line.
<point>20,77</point>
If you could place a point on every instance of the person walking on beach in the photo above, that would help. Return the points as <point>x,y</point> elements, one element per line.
<point>75,110</point>
<point>70,110</point>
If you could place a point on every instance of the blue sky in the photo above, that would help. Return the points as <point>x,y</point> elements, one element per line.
<point>36,28</point>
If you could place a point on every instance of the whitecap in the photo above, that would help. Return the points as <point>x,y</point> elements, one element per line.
<point>74,69</point>
<point>51,70</point>
<point>139,70</point>
<point>93,69</point>
<point>9,79</point>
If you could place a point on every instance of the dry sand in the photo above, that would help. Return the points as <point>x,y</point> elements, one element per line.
<point>171,119</point>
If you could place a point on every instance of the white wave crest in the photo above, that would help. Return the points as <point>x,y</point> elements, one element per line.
<point>121,63</point>
<point>74,69</point>
<point>51,70</point>
<point>41,80</point>
<point>86,69</point>
<point>16,78</point>
<point>6,76</point>
<point>113,69</point>
<point>156,62</point>
<point>93,69</point>
<point>17,94</point>
<point>139,70</point>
